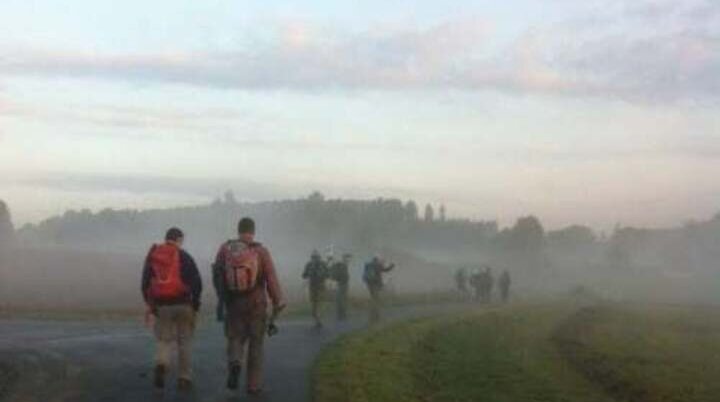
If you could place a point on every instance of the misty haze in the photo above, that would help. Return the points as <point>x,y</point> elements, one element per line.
<point>360,201</point>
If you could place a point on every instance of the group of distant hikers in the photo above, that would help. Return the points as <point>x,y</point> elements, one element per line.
<point>479,283</point>
<point>244,278</point>
<point>318,271</point>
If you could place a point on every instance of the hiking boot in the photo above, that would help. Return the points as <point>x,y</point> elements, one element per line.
<point>159,377</point>
<point>254,391</point>
<point>185,385</point>
<point>233,380</point>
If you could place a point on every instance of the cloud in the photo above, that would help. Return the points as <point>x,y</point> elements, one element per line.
<point>657,51</point>
<point>308,56</point>
<point>650,50</point>
<point>191,120</point>
<point>136,184</point>
<point>9,108</point>
<point>302,56</point>
<point>687,10</point>
<point>659,66</point>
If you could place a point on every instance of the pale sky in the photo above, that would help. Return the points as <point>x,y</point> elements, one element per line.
<point>592,112</point>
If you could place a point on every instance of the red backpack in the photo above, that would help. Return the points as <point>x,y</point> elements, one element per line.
<point>167,282</point>
<point>242,267</point>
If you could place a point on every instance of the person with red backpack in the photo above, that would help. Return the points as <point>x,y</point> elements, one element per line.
<point>249,278</point>
<point>171,287</point>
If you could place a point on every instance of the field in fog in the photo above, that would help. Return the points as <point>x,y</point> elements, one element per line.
<point>57,279</point>
<point>67,281</point>
<point>90,261</point>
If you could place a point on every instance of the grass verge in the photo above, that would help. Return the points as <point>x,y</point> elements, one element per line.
<point>495,356</point>
<point>646,353</point>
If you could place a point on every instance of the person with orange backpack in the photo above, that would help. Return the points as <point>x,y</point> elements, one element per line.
<point>249,278</point>
<point>171,287</point>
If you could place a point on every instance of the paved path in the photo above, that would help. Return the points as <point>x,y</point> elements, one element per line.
<point>111,361</point>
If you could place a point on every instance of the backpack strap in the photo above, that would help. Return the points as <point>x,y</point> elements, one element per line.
<point>261,266</point>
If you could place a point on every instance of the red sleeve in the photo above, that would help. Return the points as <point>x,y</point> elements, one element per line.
<point>273,284</point>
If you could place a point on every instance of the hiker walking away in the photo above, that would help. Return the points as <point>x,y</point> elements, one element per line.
<point>488,285</point>
<point>373,278</point>
<point>461,281</point>
<point>249,278</point>
<point>171,287</point>
<point>476,281</point>
<point>340,273</point>
<point>505,283</point>
<point>316,273</point>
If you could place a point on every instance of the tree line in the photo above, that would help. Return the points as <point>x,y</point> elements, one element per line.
<point>302,224</point>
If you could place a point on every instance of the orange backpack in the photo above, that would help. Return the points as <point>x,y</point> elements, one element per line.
<point>167,282</point>
<point>242,267</point>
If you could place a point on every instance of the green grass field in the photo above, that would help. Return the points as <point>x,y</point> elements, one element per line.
<point>530,353</point>
<point>646,353</point>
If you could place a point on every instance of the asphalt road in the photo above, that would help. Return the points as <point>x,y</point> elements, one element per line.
<point>112,361</point>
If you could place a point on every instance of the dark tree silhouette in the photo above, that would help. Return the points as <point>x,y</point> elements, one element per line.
<point>624,244</point>
<point>572,237</point>
<point>316,197</point>
<point>411,211</point>
<point>524,244</point>
<point>294,227</point>
<point>429,213</point>
<point>527,235</point>
<point>7,230</point>
<point>443,212</point>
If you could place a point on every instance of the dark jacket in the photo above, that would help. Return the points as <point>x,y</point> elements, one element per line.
<point>373,276</point>
<point>340,273</point>
<point>316,272</point>
<point>190,276</point>
<point>505,280</point>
